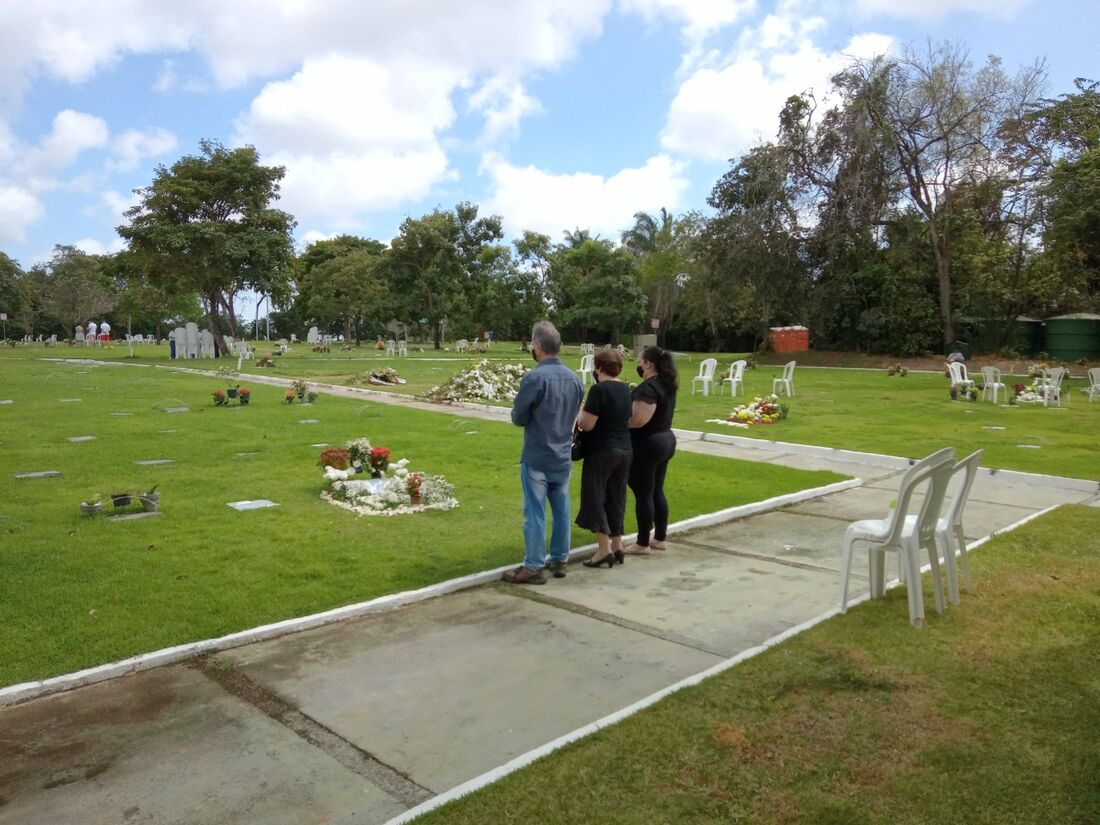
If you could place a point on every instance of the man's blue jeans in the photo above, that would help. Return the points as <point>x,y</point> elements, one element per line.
<point>537,488</point>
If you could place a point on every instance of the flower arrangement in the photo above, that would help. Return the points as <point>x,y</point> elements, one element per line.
<point>219,398</point>
<point>1036,370</point>
<point>970,393</point>
<point>484,381</point>
<point>897,369</point>
<point>379,459</point>
<point>384,376</point>
<point>395,491</point>
<point>299,388</point>
<point>359,454</point>
<point>288,397</point>
<point>265,360</point>
<point>763,410</point>
<point>1034,393</point>
<point>244,395</point>
<point>334,457</point>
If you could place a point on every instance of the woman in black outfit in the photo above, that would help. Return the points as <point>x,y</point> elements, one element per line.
<point>654,402</point>
<point>604,419</point>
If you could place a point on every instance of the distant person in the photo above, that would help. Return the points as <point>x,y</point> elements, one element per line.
<point>104,333</point>
<point>605,422</point>
<point>90,337</point>
<point>546,406</point>
<point>654,403</point>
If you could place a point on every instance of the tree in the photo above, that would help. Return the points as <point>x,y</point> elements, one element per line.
<point>606,297</point>
<point>434,258</point>
<point>13,296</point>
<point>73,287</point>
<point>206,225</point>
<point>661,247</point>
<point>944,118</point>
<point>349,289</point>
<point>751,273</point>
<point>143,301</point>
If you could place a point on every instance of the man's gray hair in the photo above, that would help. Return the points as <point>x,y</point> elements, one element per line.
<point>546,335</point>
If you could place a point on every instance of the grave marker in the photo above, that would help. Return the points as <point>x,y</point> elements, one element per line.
<point>133,516</point>
<point>308,421</point>
<point>257,504</point>
<point>154,462</point>
<point>70,400</point>
<point>76,439</point>
<point>39,474</point>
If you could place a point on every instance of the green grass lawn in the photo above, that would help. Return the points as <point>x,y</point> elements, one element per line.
<point>852,409</point>
<point>989,715</point>
<point>78,591</point>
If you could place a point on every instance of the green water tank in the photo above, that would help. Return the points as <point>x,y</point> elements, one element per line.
<point>1028,337</point>
<point>1070,337</point>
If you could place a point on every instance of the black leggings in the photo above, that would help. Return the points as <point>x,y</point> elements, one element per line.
<point>647,482</point>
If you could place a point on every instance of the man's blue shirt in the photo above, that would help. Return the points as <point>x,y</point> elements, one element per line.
<point>546,407</point>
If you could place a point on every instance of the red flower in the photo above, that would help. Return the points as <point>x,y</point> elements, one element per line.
<point>219,394</point>
<point>379,458</point>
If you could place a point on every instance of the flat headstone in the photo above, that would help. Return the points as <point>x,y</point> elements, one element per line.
<point>6,401</point>
<point>322,444</point>
<point>39,474</point>
<point>177,409</point>
<point>134,516</point>
<point>989,427</point>
<point>70,400</point>
<point>167,431</point>
<point>122,413</point>
<point>1029,446</point>
<point>78,438</point>
<point>153,462</point>
<point>309,421</point>
<point>257,504</point>
<point>242,455</point>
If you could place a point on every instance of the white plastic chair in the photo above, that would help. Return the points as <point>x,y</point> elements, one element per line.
<point>1052,385</point>
<point>391,346</point>
<point>959,376</point>
<point>462,345</point>
<point>786,382</point>
<point>991,383</point>
<point>402,347</point>
<point>706,375</point>
<point>588,349</point>
<point>1093,389</point>
<point>889,533</point>
<point>735,378</point>
<point>585,371</point>
<point>949,526</point>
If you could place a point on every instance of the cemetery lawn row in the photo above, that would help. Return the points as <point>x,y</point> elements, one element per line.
<point>851,409</point>
<point>79,591</point>
<point>990,714</point>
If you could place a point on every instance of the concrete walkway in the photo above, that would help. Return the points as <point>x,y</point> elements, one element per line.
<point>359,721</point>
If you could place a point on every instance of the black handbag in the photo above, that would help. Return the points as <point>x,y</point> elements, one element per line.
<point>578,444</point>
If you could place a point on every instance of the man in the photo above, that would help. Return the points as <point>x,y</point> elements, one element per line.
<point>546,407</point>
<point>105,333</point>
<point>90,339</point>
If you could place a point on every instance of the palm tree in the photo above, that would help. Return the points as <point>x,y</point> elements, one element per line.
<point>658,242</point>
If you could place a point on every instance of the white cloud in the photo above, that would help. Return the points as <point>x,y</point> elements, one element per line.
<point>131,147</point>
<point>931,9</point>
<point>722,110</point>
<point>354,135</point>
<point>94,246</point>
<point>503,102</point>
<point>531,198</point>
<point>71,134</point>
<point>18,210</point>
<point>699,17</point>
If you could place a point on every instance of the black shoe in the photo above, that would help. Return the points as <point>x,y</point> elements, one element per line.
<point>609,560</point>
<point>620,556</point>
<point>557,568</point>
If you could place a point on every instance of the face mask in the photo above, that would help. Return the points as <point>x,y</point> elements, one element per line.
<point>534,357</point>
<point>641,372</point>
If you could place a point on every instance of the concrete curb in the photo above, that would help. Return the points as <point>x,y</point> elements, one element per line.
<point>1077,485</point>
<point>24,691</point>
<point>525,759</point>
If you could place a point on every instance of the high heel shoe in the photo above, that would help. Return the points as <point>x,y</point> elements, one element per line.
<point>619,555</point>
<point>609,560</point>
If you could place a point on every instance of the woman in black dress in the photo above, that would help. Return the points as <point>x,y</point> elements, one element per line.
<point>604,419</point>
<point>653,442</point>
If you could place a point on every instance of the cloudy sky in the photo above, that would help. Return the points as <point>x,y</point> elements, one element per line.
<point>556,114</point>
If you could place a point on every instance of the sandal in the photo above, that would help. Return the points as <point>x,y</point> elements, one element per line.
<point>636,550</point>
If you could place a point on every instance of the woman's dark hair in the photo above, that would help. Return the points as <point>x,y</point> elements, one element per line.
<point>608,361</point>
<point>666,368</point>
